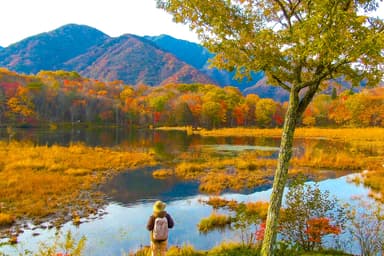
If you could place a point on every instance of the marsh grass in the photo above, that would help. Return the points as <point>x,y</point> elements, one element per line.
<point>230,249</point>
<point>347,134</point>
<point>38,181</point>
<point>214,221</point>
<point>6,219</point>
<point>346,150</point>
<point>162,173</point>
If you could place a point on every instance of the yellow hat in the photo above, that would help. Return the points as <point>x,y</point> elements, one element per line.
<point>159,206</point>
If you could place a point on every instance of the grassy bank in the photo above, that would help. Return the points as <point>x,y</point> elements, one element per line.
<point>37,181</point>
<point>347,150</point>
<point>232,249</point>
<point>348,134</point>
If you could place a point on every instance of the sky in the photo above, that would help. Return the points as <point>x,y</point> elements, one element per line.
<point>23,18</point>
<point>20,19</point>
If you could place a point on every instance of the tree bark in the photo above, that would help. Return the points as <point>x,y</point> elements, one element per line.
<point>285,154</point>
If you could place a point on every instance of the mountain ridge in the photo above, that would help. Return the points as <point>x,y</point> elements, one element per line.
<point>151,60</point>
<point>46,51</point>
<point>145,63</point>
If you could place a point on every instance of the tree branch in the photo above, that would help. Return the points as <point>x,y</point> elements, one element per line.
<point>304,102</point>
<point>281,83</point>
<point>284,12</point>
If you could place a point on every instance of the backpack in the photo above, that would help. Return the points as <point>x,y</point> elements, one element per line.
<point>160,229</point>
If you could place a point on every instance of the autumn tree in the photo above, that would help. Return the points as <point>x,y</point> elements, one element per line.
<point>3,101</point>
<point>21,106</point>
<point>299,45</point>
<point>211,114</point>
<point>265,109</point>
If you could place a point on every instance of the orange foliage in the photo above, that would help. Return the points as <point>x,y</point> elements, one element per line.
<point>319,227</point>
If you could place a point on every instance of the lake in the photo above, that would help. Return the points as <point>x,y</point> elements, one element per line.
<point>131,194</point>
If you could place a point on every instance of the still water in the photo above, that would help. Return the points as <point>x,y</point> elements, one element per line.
<point>131,194</point>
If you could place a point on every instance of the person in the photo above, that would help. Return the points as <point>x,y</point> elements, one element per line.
<point>159,223</point>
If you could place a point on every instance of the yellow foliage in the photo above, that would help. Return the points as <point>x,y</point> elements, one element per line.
<point>258,208</point>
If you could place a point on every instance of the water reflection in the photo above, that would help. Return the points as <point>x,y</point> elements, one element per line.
<point>139,185</point>
<point>131,194</point>
<point>123,228</point>
<point>164,143</point>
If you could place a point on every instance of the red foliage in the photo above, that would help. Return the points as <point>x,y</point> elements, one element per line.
<point>278,118</point>
<point>260,232</point>
<point>156,117</point>
<point>10,88</point>
<point>319,227</point>
<point>238,111</point>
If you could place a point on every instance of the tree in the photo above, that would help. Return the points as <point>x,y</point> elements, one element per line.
<point>210,112</point>
<point>265,109</point>
<point>299,45</point>
<point>3,101</point>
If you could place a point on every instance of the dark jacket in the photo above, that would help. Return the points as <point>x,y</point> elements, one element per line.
<point>151,221</point>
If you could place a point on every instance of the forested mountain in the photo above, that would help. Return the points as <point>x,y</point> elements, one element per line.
<point>48,51</point>
<point>134,60</point>
<point>130,58</point>
<point>191,53</point>
<point>198,56</point>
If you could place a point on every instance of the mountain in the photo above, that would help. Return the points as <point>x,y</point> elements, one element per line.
<point>264,90</point>
<point>47,51</point>
<point>198,56</point>
<point>191,53</point>
<point>134,60</point>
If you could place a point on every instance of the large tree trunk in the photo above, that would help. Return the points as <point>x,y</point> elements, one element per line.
<point>281,174</point>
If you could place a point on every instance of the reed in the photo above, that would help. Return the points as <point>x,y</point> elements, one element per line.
<point>347,134</point>
<point>214,221</point>
<point>162,173</point>
<point>37,181</point>
<point>6,219</point>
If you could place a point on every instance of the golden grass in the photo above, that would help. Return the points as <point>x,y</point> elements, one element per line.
<point>6,219</point>
<point>342,150</point>
<point>36,181</point>
<point>162,173</point>
<point>189,170</point>
<point>214,221</point>
<point>347,134</point>
<point>218,202</point>
<point>374,180</point>
<point>257,209</point>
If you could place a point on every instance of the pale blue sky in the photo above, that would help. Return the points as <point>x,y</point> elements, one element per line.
<point>23,18</point>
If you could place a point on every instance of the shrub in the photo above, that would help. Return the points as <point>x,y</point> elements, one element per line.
<point>367,227</point>
<point>309,216</point>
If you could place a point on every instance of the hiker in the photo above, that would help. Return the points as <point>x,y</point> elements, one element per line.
<point>159,223</point>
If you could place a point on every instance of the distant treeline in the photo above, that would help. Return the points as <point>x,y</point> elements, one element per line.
<point>66,97</point>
